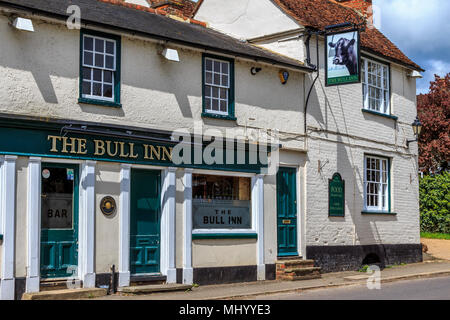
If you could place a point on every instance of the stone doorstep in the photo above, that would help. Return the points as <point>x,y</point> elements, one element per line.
<point>153,288</point>
<point>58,284</point>
<point>299,278</point>
<point>67,294</point>
<point>303,271</point>
<point>294,262</point>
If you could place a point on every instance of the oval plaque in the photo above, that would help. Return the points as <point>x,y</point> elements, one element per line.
<point>108,205</point>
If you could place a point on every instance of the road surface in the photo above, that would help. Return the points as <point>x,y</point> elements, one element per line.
<point>419,289</point>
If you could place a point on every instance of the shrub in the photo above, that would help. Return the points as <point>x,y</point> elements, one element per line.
<point>435,203</point>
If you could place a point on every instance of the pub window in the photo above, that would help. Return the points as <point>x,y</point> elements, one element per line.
<point>100,69</point>
<point>221,202</point>
<point>376,184</point>
<point>375,78</point>
<point>218,87</point>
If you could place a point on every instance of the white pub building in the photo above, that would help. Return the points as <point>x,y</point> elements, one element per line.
<point>276,167</point>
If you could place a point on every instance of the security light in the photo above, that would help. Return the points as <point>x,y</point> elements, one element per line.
<point>23,24</point>
<point>415,74</point>
<point>417,129</point>
<point>171,54</point>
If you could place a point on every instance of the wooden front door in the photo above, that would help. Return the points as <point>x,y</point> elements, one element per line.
<point>287,212</point>
<point>59,220</point>
<point>145,226</point>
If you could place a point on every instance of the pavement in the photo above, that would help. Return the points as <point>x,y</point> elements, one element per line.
<point>438,248</point>
<point>428,269</point>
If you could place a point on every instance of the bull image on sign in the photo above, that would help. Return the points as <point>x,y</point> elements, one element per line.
<point>342,61</point>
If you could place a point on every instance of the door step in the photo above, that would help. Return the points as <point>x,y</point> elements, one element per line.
<point>59,284</point>
<point>154,288</point>
<point>67,294</point>
<point>296,269</point>
<point>144,280</point>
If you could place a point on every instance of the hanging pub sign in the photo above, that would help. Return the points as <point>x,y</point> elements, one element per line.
<point>336,196</point>
<point>342,58</point>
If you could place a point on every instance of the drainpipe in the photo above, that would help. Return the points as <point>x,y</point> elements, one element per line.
<point>316,67</point>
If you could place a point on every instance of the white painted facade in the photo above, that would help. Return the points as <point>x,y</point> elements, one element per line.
<point>339,134</point>
<point>40,76</point>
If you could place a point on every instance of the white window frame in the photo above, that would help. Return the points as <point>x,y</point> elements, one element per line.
<point>92,67</point>
<point>366,85</point>
<point>381,184</point>
<point>253,205</point>
<point>227,87</point>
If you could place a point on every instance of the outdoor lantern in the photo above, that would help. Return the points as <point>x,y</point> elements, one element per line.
<point>417,129</point>
<point>170,54</point>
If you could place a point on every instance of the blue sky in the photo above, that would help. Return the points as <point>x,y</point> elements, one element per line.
<point>421,29</point>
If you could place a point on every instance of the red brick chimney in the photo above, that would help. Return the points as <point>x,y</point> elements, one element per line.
<point>363,6</point>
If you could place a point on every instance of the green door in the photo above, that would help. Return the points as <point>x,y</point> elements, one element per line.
<point>59,220</point>
<point>287,212</point>
<point>145,221</point>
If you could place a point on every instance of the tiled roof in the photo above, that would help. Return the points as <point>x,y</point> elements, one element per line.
<point>321,13</point>
<point>182,8</point>
<point>136,19</point>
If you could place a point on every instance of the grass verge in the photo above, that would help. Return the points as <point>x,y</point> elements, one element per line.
<point>429,235</point>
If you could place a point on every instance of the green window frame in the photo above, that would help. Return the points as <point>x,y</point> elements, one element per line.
<point>100,57</point>
<point>218,87</point>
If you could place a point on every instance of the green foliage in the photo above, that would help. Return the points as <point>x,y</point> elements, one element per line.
<point>435,203</point>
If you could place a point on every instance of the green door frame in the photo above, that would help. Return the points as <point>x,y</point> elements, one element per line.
<point>59,234</point>
<point>287,212</point>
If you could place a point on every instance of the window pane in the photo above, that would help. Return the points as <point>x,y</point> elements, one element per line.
<point>110,47</point>
<point>215,92</point>
<point>99,45</point>
<point>207,91</point>
<point>208,103</point>
<point>88,43</point>
<point>208,64</point>
<point>88,59</point>
<point>109,62</point>
<point>225,81</point>
<point>223,93</point>
<point>97,75</point>
<point>224,67</point>
<point>208,78</point>
<point>217,79</point>
<point>86,88</point>
<point>223,105</point>
<point>216,66</point>
<point>107,91</point>
<point>99,60</point>
<point>97,89</point>
<point>87,73</point>
<point>107,76</point>
<point>215,104</point>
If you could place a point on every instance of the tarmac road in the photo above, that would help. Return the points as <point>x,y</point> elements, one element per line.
<point>419,289</point>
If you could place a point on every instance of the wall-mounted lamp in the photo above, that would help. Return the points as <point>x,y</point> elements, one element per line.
<point>23,24</point>
<point>255,70</point>
<point>170,54</point>
<point>417,129</point>
<point>415,74</point>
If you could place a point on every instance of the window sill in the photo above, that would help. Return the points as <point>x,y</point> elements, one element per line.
<point>222,235</point>
<point>218,116</point>
<point>386,213</point>
<point>100,103</point>
<point>380,114</point>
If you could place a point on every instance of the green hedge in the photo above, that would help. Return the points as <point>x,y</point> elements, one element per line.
<point>435,203</point>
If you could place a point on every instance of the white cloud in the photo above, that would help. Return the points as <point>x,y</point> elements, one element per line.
<point>441,68</point>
